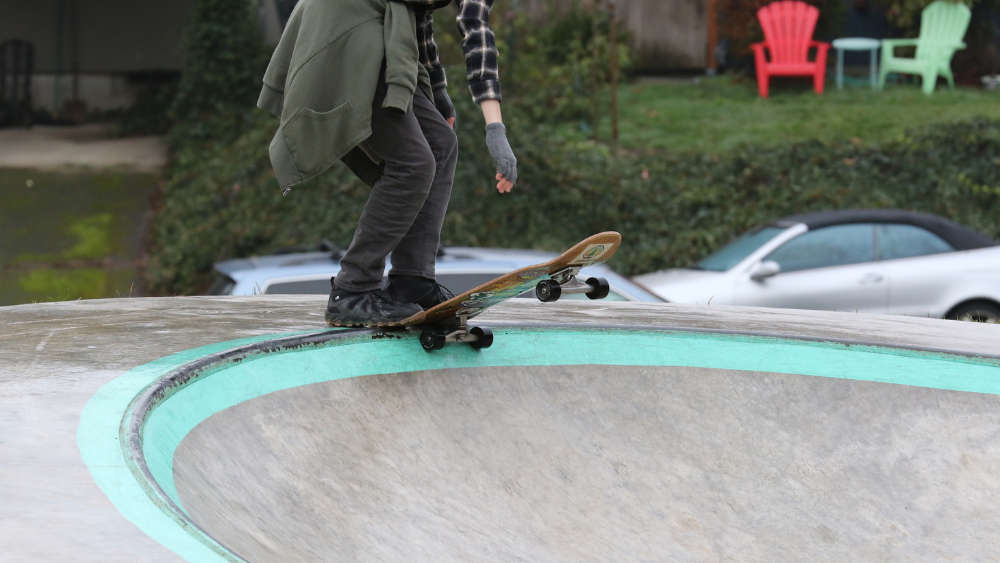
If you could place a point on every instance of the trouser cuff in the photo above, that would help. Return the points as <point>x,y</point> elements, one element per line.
<point>417,273</point>
<point>355,288</point>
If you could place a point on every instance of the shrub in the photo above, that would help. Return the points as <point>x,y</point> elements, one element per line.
<point>560,68</point>
<point>555,69</point>
<point>230,204</point>
<point>225,60</point>
<point>905,14</point>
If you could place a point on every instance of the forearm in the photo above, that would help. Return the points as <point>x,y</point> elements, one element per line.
<point>491,111</point>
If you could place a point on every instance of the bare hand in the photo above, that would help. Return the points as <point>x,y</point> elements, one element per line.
<point>451,123</point>
<point>504,185</point>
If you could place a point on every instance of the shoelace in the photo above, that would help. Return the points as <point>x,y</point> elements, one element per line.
<point>444,293</point>
<point>380,296</point>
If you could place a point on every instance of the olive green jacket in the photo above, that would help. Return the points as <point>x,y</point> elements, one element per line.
<point>321,83</point>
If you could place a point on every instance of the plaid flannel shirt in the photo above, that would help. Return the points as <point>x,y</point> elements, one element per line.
<point>478,44</point>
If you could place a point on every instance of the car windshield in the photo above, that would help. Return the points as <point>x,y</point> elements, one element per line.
<point>734,253</point>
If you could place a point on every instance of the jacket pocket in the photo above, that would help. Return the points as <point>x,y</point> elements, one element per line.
<point>317,140</point>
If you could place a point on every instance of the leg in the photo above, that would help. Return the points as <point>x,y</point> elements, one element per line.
<point>819,78</point>
<point>396,198</point>
<point>873,68</point>
<point>929,79</point>
<point>416,254</point>
<point>883,71</point>
<point>950,78</point>
<point>760,61</point>
<point>840,69</point>
<point>762,82</point>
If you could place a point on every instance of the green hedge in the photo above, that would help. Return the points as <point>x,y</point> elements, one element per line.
<point>229,204</point>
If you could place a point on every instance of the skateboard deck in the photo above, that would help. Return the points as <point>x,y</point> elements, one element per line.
<point>593,250</point>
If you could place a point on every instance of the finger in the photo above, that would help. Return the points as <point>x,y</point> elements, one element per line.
<point>451,122</point>
<point>504,185</point>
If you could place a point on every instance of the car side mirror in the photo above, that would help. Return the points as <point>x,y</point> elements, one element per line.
<point>764,270</point>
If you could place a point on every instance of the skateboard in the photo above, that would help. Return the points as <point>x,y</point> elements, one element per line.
<point>449,321</point>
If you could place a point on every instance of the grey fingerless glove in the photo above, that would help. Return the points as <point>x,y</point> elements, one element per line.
<point>503,156</point>
<point>442,101</point>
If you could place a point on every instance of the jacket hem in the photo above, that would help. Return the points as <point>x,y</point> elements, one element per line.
<point>289,179</point>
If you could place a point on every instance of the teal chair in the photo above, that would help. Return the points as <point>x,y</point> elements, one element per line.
<point>942,27</point>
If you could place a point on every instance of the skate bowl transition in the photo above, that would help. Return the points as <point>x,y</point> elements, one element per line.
<point>556,444</point>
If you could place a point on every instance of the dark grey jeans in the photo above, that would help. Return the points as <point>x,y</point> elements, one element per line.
<point>406,209</point>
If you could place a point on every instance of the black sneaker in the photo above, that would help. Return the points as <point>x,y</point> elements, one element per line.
<point>367,308</point>
<point>422,291</point>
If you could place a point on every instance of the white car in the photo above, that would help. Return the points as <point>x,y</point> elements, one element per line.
<point>869,261</point>
<point>458,269</point>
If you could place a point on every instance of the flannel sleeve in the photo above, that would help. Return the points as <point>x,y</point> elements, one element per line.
<point>480,48</point>
<point>429,51</point>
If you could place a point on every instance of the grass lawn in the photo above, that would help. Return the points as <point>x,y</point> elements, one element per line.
<point>71,234</point>
<point>718,114</point>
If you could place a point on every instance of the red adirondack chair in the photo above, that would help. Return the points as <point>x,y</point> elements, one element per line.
<point>788,28</point>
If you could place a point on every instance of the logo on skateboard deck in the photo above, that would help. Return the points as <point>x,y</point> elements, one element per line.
<point>479,301</point>
<point>592,253</point>
<point>533,274</point>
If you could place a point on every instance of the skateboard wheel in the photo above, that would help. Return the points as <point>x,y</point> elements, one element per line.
<point>601,288</point>
<point>432,340</point>
<point>547,291</point>
<point>484,337</point>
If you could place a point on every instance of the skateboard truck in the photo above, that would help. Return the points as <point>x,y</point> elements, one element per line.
<point>564,282</point>
<point>477,337</point>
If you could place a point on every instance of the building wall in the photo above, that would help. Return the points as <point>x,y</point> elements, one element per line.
<point>666,34</point>
<point>116,36</point>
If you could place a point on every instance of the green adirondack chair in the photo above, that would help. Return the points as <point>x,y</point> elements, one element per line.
<point>942,27</point>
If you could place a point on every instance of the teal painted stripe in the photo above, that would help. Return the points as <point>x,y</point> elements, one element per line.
<point>97,437</point>
<point>169,424</point>
<point>234,383</point>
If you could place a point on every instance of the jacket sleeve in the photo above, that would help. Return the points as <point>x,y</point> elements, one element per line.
<point>272,95</point>
<point>400,53</point>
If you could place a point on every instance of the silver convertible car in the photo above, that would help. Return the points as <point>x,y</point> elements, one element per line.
<point>869,261</point>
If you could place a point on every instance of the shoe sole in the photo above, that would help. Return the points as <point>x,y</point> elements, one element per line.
<point>415,319</point>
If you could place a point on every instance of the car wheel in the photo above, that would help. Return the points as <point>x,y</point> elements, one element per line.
<point>976,311</point>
